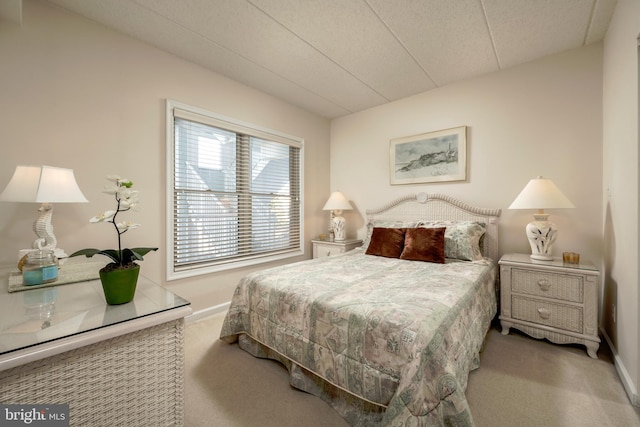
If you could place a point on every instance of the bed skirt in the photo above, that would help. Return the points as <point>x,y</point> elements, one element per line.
<point>356,411</point>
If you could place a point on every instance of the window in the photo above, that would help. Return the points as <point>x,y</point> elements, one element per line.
<point>234,193</point>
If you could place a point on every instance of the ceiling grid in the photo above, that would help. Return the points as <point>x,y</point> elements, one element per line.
<point>335,57</point>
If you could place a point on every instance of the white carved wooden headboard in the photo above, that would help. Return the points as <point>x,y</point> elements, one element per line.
<point>431,207</point>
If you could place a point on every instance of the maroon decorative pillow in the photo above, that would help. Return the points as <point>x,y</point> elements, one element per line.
<point>386,242</point>
<point>424,244</point>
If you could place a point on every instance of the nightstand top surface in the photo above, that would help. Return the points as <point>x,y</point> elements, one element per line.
<point>557,262</point>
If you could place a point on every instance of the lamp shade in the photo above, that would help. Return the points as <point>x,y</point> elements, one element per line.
<point>337,202</point>
<point>541,193</point>
<point>43,184</point>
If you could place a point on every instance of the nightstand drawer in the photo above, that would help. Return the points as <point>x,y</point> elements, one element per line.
<point>327,250</point>
<point>561,316</point>
<point>557,286</point>
<point>323,248</point>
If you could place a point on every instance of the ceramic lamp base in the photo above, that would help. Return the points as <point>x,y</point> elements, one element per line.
<point>338,225</point>
<point>542,235</point>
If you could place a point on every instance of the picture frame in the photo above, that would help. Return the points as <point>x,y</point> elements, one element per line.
<point>429,157</point>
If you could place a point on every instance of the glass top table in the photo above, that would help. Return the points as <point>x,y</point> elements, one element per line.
<point>31,318</point>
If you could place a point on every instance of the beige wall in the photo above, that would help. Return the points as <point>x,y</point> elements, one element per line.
<point>541,118</point>
<point>620,202</point>
<point>75,94</point>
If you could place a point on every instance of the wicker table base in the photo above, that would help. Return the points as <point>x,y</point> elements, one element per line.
<point>134,379</point>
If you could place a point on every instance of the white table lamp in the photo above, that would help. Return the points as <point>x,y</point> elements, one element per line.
<point>541,194</point>
<point>45,185</point>
<point>336,204</point>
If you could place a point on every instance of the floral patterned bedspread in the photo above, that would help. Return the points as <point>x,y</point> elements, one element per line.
<point>400,335</point>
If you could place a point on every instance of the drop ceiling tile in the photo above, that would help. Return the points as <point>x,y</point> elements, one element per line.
<point>191,47</point>
<point>334,57</point>
<point>351,34</point>
<point>449,38</point>
<point>237,68</point>
<point>602,14</point>
<point>525,29</point>
<point>131,19</point>
<point>242,28</point>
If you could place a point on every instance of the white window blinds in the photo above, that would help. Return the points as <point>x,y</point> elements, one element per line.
<point>236,193</point>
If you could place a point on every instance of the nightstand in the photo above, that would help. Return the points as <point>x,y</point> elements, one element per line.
<point>324,248</point>
<point>550,299</point>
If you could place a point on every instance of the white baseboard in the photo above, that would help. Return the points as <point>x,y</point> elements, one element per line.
<point>207,312</point>
<point>626,380</point>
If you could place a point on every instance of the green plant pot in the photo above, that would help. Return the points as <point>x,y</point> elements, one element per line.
<point>119,286</point>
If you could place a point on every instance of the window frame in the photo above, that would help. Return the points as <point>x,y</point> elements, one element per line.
<point>234,124</point>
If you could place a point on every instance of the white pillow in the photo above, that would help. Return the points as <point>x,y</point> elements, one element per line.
<point>461,238</point>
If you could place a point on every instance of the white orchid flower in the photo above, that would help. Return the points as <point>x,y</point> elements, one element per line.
<point>129,204</point>
<point>103,217</point>
<point>125,194</point>
<point>120,182</point>
<point>126,225</point>
<point>111,189</point>
<point>127,198</point>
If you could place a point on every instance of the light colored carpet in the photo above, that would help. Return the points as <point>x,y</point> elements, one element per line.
<point>521,382</point>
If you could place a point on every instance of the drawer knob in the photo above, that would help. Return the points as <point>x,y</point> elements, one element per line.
<point>544,284</point>
<point>544,313</point>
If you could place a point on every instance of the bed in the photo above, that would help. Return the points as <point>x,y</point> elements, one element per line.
<point>385,339</point>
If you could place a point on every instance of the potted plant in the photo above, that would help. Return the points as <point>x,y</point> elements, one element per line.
<point>120,276</point>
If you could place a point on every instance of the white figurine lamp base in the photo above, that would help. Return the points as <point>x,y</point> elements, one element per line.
<point>45,185</point>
